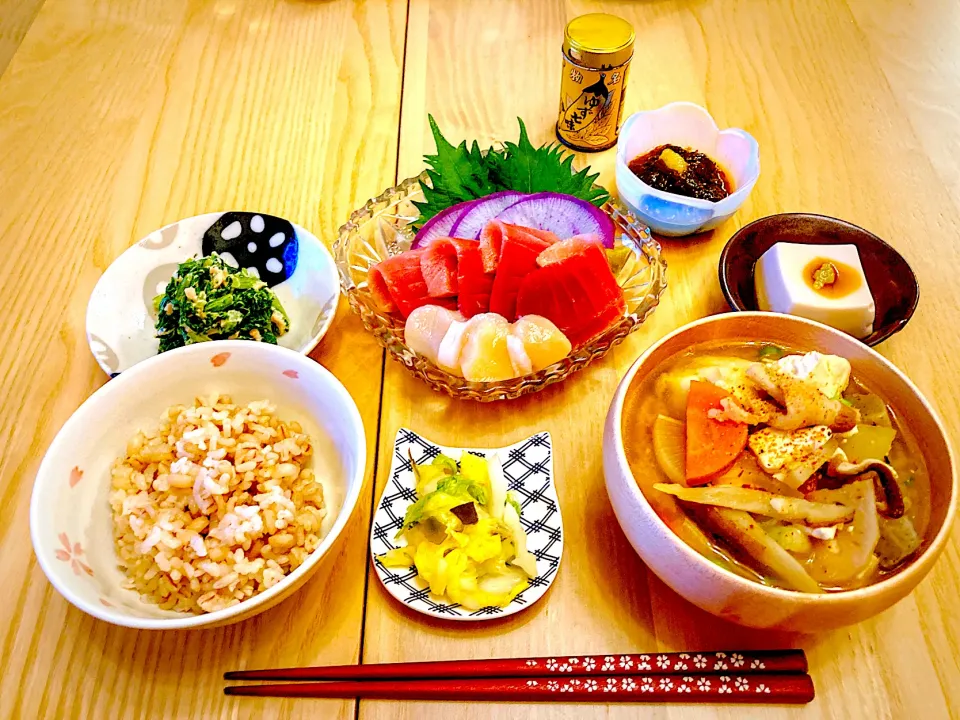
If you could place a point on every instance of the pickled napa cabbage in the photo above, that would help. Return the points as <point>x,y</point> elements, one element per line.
<point>464,534</point>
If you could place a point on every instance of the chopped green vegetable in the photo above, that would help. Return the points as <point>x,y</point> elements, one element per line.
<point>449,465</point>
<point>771,352</point>
<point>514,503</point>
<point>462,173</point>
<point>206,299</point>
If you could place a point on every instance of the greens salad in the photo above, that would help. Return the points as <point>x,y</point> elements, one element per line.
<point>464,535</point>
<point>206,299</point>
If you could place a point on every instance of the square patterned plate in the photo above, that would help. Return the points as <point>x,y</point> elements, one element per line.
<point>528,467</point>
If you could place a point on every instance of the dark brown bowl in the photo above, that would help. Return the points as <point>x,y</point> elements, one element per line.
<point>891,280</point>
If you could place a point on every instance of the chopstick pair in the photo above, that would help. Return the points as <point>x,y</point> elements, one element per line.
<point>724,677</point>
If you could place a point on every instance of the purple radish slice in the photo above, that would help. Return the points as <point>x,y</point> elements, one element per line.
<point>440,224</point>
<point>561,214</point>
<point>482,211</point>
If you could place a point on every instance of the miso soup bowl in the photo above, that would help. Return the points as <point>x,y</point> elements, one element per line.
<point>720,591</point>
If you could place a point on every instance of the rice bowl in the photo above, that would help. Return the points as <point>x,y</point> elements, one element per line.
<point>71,518</point>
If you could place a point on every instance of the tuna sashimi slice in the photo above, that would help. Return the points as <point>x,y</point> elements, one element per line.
<point>438,263</point>
<point>403,279</point>
<point>379,291</point>
<point>579,294</point>
<point>493,233</point>
<point>474,284</point>
<point>565,248</point>
<point>518,257</point>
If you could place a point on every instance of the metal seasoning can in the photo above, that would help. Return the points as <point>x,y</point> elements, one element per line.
<point>597,49</point>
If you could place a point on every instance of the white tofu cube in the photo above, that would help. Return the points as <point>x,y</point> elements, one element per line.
<point>783,279</point>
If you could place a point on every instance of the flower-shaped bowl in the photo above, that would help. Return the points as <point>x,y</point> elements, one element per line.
<point>687,125</point>
<point>384,227</point>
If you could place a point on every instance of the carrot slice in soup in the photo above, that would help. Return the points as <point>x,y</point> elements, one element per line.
<point>712,445</point>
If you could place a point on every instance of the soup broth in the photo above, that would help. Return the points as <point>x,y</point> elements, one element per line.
<point>655,415</point>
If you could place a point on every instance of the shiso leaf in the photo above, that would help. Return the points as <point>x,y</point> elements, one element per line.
<point>461,173</point>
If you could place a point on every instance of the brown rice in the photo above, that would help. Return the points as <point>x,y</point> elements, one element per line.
<point>215,506</point>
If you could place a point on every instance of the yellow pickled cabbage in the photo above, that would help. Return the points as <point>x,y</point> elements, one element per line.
<point>475,559</point>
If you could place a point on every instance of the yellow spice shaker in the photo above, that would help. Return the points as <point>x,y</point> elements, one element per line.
<point>597,49</point>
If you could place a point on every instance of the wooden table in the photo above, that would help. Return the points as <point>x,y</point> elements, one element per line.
<point>118,116</point>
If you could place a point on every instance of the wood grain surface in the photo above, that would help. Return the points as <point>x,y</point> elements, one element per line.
<point>121,117</point>
<point>118,116</point>
<point>16,16</point>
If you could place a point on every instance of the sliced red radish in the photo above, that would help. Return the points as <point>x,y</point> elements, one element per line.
<point>440,224</point>
<point>565,248</point>
<point>471,222</point>
<point>563,215</point>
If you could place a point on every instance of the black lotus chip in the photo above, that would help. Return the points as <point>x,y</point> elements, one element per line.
<point>263,244</point>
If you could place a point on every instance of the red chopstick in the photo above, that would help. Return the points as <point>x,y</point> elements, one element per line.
<point>733,688</point>
<point>700,663</point>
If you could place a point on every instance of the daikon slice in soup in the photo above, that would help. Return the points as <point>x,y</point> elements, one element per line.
<point>778,465</point>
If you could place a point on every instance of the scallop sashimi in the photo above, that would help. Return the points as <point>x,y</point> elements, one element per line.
<point>542,341</point>
<point>485,356</point>
<point>426,327</point>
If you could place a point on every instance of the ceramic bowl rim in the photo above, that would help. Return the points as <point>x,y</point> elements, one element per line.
<point>716,573</point>
<point>828,220</point>
<point>333,276</point>
<point>733,200</point>
<point>118,386</point>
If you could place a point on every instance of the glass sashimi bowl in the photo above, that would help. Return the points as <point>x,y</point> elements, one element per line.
<point>384,227</point>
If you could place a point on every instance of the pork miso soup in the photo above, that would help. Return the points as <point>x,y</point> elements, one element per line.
<point>778,466</point>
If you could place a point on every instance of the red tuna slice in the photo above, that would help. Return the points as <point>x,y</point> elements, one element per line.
<point>518,258</point>
<point>578,294</point>
<point>473,283</point>
<point>438,263</point>
<point>545,235</point>
<point>566,248</point>
<point>404,281</point>
<point>379,291</point>
<point>493,234</point>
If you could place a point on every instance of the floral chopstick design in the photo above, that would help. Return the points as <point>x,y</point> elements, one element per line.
<point>669,663</point>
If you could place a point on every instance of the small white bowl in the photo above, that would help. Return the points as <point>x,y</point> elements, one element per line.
<point>120,314</point>
<point>70,519</point>
<point>528,467</point>
<point>688,125</point>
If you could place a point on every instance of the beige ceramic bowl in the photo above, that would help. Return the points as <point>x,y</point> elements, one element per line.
<point>723,593</point>
<point>70,520</point>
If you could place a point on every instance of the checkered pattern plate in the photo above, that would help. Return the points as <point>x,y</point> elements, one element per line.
<point>528,467</point>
